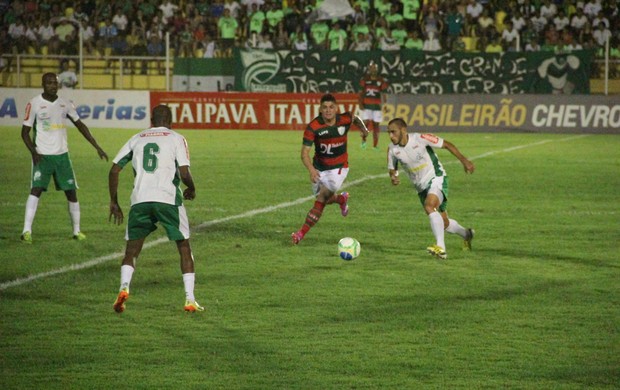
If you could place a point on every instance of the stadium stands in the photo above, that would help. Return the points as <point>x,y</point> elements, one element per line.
<point>138,29</point>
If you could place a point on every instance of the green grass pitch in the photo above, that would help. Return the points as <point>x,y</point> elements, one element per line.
<point>535,305</point>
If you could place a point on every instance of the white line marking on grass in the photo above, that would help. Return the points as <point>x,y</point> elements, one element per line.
<point>118,255</point>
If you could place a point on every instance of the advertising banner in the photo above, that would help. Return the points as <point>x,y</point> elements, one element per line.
<point>411,71</point>
<point>97,108</point>
<point>506,113</point>
<point>246,111</point>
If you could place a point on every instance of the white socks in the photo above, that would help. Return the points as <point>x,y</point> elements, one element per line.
<point>188,282</point>
<point>455,228</point>
<point>31,209</point>
<point>126,274</point>
<point>437,228</point>
<point>74,212</point>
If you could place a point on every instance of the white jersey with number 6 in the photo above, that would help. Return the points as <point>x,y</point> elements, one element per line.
<point>155,155</point>
<point>418,159</point>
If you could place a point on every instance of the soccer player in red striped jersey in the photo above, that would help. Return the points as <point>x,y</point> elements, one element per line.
<point>330,165</point>
<point>372,98</point>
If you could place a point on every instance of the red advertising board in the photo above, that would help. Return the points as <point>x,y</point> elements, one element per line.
<point>246,110</point>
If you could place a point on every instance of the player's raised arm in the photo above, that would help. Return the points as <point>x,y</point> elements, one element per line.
<point>360,123</point>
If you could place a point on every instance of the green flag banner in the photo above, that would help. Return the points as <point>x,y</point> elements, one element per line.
<point>411,71</point>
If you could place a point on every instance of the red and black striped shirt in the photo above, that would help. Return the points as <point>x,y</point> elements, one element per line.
<point>330,141</point>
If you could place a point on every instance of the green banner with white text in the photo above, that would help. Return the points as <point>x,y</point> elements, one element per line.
<point>411,71</point>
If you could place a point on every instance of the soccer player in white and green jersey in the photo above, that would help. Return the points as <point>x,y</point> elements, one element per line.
<point>160,160</point>
<point>47,114</point>
<point>414,154</point>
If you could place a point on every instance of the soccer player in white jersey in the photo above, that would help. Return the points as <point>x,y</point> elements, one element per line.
<point>47,114</point>
<point>413,153</point>
<point>160,160</point>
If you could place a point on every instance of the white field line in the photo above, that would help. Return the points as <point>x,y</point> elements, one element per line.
<point>118,255</point>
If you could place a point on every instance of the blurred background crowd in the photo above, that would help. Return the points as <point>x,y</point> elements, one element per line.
<point>212,28</point>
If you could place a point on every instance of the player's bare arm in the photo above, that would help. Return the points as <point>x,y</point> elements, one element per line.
<point>36,157</point>
<point>116,213</point>
<point>186,177</point>
<point>467,165</point>
<point>307,161</point>
<point>360,123</point>
<point>89,137</point>
<point>394,177</point>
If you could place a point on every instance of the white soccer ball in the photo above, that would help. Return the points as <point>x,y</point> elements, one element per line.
<point>349,248</point>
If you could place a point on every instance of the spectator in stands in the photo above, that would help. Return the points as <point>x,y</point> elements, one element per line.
<point>454,22</point>
<point>120,21</point>
<point>518,21</point>
<point>431,23</point>
<point>234,7</point>
<point>168,9</point>
<point>274,15</point>
<point>382,8</point>
<point>601,34</point>
<point>107,32</point>
<point>380,30</point>
<point>548,10</point>
<point>431,43</point>
<point>300,41</point>
<point>17,32</point>
<point>264,41</point>
<point>281,37</point>
<point>411,10</point>
<point>337,37</point>
<point>486,25</point>
<point>494,46</point>
<point>510,36</point>
<point>361,43</point>
<point>67,77</point>
<point>552,38</point>
<point>600,18</point>
<point>67,34</point>
<point>360,26</point>
<point>257,20</point>
<point>32,41</point>
<point>208,47</point>
<point>47,37</point>
<point>561,21</point>
<point>592,8</point>
<point>394,16</point>
<point>155,48</point>
<point>137,47</point>
<point>227,28</point>
<point>318,34</point>
<point>185,43</point>
<point>88,36</point>
<point>579,20</point>
<point>475,10</point>
<point>539,22</point>
<point>413,40</point>
<point>568,42</point>
<point>533,45</point>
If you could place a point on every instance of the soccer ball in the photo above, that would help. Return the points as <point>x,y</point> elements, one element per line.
<point>348,248</point>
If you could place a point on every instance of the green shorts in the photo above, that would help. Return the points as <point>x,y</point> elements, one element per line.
<point>57,166</point>
<point>437,182</point>
<point>144,216</point>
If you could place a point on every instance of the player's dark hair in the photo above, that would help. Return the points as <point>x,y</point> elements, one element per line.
<point>161,116</point>
<point>399,122</point>
<point>328,97</point>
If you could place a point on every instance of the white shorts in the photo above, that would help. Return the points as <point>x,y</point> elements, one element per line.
<point>373,115</point>
<point>437,187</point>
<point>331,179</point>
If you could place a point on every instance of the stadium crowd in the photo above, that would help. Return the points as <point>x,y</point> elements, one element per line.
<point>200,28</point>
